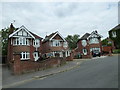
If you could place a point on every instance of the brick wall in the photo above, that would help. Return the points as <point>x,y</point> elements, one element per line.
<point>45,47</point>
<point>107,48</point>
<point>20,67</point>
<point>21,48</point>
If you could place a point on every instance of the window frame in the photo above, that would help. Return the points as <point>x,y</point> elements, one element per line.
<point>36,42</point>
<point>25,56</point>
<point>114,34</point>
<point>56,43</point>
<point>21,41</point>
<point>94,40</point>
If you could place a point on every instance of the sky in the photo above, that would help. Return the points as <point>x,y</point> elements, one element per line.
<point>69,18</point>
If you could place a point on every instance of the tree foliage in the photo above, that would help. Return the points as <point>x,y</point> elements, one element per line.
<point>5,34</point>
<point>105,42</point>
<point>72,40</point>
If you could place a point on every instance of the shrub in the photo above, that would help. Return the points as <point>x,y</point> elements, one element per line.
<point>116,51</point>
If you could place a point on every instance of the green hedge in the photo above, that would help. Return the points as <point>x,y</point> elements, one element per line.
<point>116,51</point>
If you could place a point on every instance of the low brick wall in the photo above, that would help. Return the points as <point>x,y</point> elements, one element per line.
<point>69,58</point>
<point>20,67</point>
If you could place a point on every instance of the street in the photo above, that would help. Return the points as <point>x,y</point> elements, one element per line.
<point>95,73</point>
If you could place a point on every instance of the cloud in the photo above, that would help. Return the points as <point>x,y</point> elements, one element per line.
<point>67,17</point>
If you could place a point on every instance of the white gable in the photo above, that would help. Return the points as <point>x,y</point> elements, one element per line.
<point>94,34</point>
<point>59,35</point>
<point>22,31</point>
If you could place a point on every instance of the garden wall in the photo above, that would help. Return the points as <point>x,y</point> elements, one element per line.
<point>20,67</point>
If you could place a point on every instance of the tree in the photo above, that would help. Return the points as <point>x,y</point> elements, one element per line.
<point>105,42</point>
<point>5,33</point>
<point>72,40</point>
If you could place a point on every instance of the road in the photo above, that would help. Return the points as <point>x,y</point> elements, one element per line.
<point>96,73</point>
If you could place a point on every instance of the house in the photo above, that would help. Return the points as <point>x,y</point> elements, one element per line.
<point>55,45</point>
<point>107,45</point>
<point>24,42</point>
<point>114,35</point>
<point>89,43</point>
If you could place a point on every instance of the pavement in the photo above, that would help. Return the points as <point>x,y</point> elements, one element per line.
<point>9,80</point>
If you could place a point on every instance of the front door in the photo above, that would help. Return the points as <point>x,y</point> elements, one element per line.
<point>36,56</point>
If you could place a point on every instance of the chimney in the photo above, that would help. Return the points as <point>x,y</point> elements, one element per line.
<point>96,31</point>
<point>12,28</point>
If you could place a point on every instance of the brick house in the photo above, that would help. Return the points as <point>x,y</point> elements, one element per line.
<point>114,35</point>
<point>55,45</point>
<point>22,41</point>
<point>89,43</point>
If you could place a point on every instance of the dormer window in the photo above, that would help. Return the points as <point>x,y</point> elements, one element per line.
<point>114,34</point>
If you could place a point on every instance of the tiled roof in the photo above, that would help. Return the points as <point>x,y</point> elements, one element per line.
<point>36,36</point>
<point>85,36</point>
<point>48,37</point>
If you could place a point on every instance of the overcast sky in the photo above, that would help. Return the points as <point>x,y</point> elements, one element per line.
<point>66,17</point>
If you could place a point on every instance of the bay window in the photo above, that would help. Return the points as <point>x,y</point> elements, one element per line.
<point>93,40</point>
<point>21,41</point>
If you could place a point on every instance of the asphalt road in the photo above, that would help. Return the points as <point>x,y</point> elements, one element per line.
<point>96,73</point>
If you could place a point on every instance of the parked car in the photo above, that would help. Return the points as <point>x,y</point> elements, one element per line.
<point>96,53</point>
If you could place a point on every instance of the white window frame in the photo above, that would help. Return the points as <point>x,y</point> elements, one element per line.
<point>85,51</point>
<point>21,41</point>
<point>36,42</point>
<point>26,54</point>
<point>93,40</point>
<point>114,34</point>
<point>56,43</point>
<point>95,48</point>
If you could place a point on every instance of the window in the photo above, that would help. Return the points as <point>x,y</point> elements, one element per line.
<point>95,49</point>
<point>36,42</point>
<point>25,55</point>
<point>27,42</point>
<point>94,40</point>
<point>114,34</point>
<point>24,41</point>
<point>85,51</point>
<point>56,43</point>
<point>21,41</point>
<point>84,43</point>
